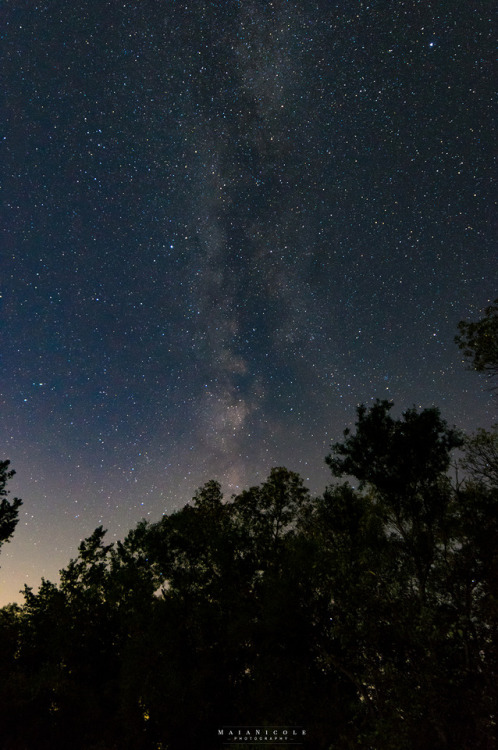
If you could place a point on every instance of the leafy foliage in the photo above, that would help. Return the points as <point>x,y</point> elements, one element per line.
<point>395,455</point>
<point>9,511</point>
<point>368,615</point>
<point>480,460</point>
<point>479,340</point>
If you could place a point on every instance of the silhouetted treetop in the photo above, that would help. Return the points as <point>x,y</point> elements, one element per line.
<point>9,511</point>
<point>479,340</point>
<point>394,454</point>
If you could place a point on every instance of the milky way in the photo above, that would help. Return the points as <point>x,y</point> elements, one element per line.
<point>226,224</point>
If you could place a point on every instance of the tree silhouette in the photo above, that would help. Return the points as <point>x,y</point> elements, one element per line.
<point>413,571</point>
<point>479,341</point>
<point>368,614</point>
<point>9,511</point>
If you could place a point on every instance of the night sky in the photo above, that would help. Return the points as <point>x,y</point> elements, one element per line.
<point>225,225</point>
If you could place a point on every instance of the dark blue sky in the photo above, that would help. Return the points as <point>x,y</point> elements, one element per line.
<point>225,225</point>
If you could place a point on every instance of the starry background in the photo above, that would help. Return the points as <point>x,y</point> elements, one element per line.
<point>225,225</point>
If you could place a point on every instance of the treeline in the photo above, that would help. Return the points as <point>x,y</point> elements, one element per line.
<point>367,615</point>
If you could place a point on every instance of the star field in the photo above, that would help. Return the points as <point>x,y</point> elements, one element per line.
<point>225,225</point>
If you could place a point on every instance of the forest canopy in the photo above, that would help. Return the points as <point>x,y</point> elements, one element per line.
<point>367,615</point>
